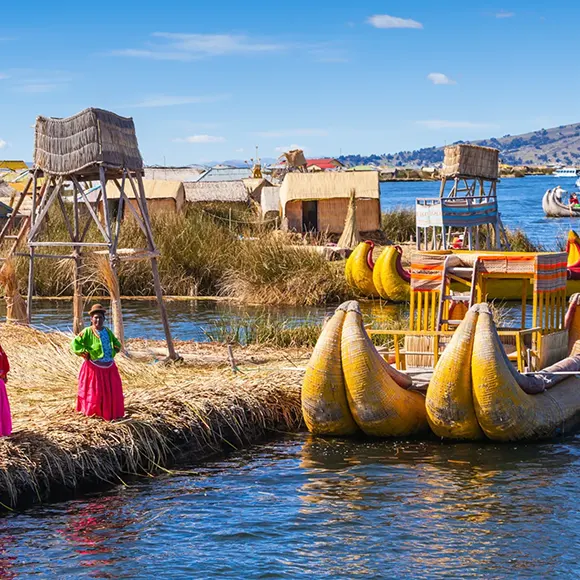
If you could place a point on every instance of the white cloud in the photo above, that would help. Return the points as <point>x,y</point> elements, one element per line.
<point>201,139</point>
<point>3,76</point>
<point>441,124</point>
<point>240,150</point>
<point>170,101</point>
<point>33,81</point>
<point>386,21</point>
<point>284,148</point>
<point>186,47</point>
<point>2,143</point>
<point>440,79</point>
<point>37,87</point>
<point>293,133</point>
<point>502,14</point>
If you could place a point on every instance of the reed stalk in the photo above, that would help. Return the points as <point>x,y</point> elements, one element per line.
<point>15,304</point>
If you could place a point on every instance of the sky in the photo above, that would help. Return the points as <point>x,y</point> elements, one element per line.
<point>210,81</point>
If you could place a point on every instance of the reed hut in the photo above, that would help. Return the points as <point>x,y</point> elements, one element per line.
<point>270,203</point>
<point>318,202</point>
<point>162,196</point>
<point>231,194</point>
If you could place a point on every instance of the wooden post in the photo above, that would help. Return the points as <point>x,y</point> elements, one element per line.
<point>113,284</point>
<point>142,200</point>
<point>77,281</point>
<point>30,289</point>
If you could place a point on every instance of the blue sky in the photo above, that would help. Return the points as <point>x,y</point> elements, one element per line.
<point>210,81</point>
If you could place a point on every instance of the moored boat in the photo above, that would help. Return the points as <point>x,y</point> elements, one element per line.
<point>566,172</point>
<point>555,204</point>
<point>487,383</point>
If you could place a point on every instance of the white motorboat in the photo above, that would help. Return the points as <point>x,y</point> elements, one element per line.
<point>566,172</point>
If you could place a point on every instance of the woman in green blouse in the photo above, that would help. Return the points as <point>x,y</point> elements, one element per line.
<point>100,389</point>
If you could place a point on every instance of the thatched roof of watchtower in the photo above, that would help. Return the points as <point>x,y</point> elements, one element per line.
<point>85,141</point>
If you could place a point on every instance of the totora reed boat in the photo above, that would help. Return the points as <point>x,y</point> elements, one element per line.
<point>479,381</point>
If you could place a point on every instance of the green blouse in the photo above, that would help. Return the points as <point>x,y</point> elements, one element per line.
<point>89,341</point>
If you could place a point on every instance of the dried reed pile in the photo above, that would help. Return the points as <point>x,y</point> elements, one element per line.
<point>15,304</point>
<point>171,412</point>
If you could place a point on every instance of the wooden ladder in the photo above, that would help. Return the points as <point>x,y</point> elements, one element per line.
<point>459,274</point>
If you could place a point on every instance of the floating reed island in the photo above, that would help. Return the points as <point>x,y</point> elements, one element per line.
<point>188,411</point>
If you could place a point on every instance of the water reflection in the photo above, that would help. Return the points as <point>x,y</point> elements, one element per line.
<point>7,560</point>
<point>313,508</point>
<point>446,506</point>
<point>98,531</point>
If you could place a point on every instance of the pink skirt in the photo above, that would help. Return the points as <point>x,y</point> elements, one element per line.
<point>100,391</point>
<point>5,417</point>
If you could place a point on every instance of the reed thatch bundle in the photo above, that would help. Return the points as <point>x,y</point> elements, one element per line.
<point>470,161</point>
<point>15,304</point>
<point>170,412</point>
<point>90,138</point>
<point>350,237</point>
<point>295,158</point>
<point>108,276</point>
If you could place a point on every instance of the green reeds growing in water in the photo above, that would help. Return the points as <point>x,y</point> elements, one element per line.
<point>273,271</point>
<point>398,224</point>
<point>267,330</point>
<point>201,255</point>
<point>208,251</point>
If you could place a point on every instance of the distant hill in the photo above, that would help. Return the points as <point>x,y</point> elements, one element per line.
<point>557,145</point>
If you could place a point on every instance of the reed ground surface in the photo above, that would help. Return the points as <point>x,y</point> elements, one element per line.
<point>190,411</point>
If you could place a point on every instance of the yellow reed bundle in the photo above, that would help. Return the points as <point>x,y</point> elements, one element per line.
<point>350,237</point>
<point>108,276</point>
<point>15,304</point>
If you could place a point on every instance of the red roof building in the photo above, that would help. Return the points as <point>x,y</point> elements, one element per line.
<point>323,164</point>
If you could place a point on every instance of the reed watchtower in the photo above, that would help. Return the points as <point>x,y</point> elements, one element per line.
<point>467,202</point>
<point>91,147</point>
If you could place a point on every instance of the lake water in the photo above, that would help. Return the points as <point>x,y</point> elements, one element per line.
<point>308,508</point>
<point>311,508</point>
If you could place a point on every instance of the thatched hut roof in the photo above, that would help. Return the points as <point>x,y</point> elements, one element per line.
<point>212,191</point>
<point>154,189</point>
<point>190,173</point>
<point>329,185</point>
<point>85,141</point>
<point>226,174</point>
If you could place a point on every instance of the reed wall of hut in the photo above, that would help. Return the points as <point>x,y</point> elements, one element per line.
<point>331,215</point>
<point>320,201</point>
<point>162,196</point>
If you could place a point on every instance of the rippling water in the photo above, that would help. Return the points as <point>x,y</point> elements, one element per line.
<point>311,508</point>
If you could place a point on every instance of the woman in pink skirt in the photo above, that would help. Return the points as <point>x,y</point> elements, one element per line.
<point>100,390</point>
<point>5,417</point>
